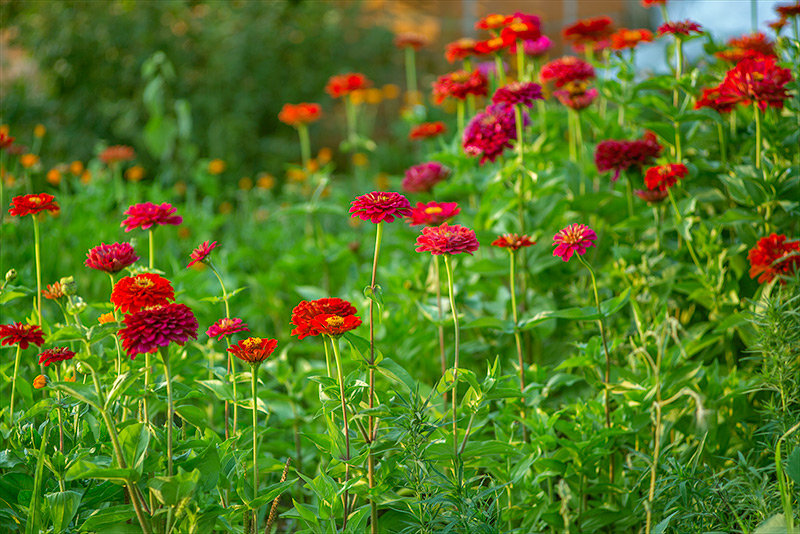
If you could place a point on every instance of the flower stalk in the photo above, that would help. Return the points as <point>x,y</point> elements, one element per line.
<point>14,383</point>
<point>449,269</point>
<point>38,257</point>
<point>517,337</point>
<point>254,387</point>
<point>371,427</point>
<point>340,375</point>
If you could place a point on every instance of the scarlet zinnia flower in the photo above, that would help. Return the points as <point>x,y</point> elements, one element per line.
<point>566,69</point>
<point>760,80</point>
<point>226,327</point>
<point>5,140</point>
<point>432,213</point>
<point>157,326</point>
<point>513,242</point>
<point>446,239</point>
<point>575,238</point>
<point>133,293</point>
<point>589,31</point>
<point>490,46</point>
<point>116,154</point>
<point>654,196</point>
<point>344,84</point>
<point>335,325</point>
<point>662,177</point>
<point>421,178</point>
<point>679,29</point>
<point>490,132</point>
<point>773,256</point>
<point>492,22</point>
<point>576,95</point>
<point>460,49</point>
<point>459,84</point>
<point>147,215</point>
<point>57,354</point>
<point>650,3</point>
<point>410,40</point>
<point>427,130</point>
<point>33,204</point>
<point>625,38</point>
<point>711,98</point>
<point>747,47</point>
<point>537,47</point>
<point>54,291</point>
<point>201,252</point>
<point>620,155</point>
<point>304,313</point>
<point>791,10</point>
<point>522,30</point>
<point>111,258</point>
<point>524,93</point>
<point>21,334</point>
<point>254,350</point>
<point>380,206</point>
<point>297,114</point>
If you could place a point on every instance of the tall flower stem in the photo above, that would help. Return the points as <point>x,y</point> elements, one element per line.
<point>371,430</point>
<point>460,117</point>
<point>629,194</point>
<point>253,388</point>
<point>231,363</point>
<point>442,358</point>
<point>449,269</point>
<point>14,383</point>
<point>521,163</point>
<point>757,114</point>
<point>60,418</point>
<point>170,408</point>
<point>152,249</point>
<point>38,256</point>
<point>501,73</point>
<point>656,438</point>
<point>521,74</point>
<point>675,95</point>
<point>723,152</point>
<point>688,242</point>
<point>517,337</point>
<point>305,144</point>
<point>411,75</point>
<point>350,116</point>
<point>340,375</point>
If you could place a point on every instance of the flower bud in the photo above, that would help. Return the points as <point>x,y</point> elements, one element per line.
<point>11,275</point>
<point>69,285</point>
<point>76,305</point>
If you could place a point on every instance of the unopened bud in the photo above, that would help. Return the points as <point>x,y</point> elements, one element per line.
<point>11,275</point>
<point>69,285</point>
<point>76,305</point>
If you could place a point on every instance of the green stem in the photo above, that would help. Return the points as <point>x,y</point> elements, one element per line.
<point>152,248</point>
<point>629,194</point>
<point>371,430</point>
<point>253,386</point>
<point>656,440</point>
<point>37,254</point>
<point>14,384</point>
<point>442,357</point>
<point>340,375</point>
<point>60,419</point>
<point>688,241</point>
<point>305,145</point>
<point>573,154</point>
<point>231,363</point>
<point>723,151</point>
<point>460,117</point>
<point>170,409</point>
<point>350,116</point>
<point>147,365</point>
<point>501,73</point>
<point>517,338</point>
<point>521,74</point>
<point>411,75</point>
<point>757,114</point>
<point>449,269</point>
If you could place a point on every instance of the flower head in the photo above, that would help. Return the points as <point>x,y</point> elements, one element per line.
<point>575,238</point>
<point>5,140</point>
<point>297,114</point>
<point>157,326</point>
<point>304,313</point>
<point>201,252</point>
<point>490,46</point>
<point>460,49</point>
<point>521,30</point>
<point>619,155</point>
<point>566,69</point>
<point>33,204</point>
<point>758,80</point>
<point>433,213</point>
<point>380,206</point>
<point>411,40</point>
<point>133,293</point>
<point>57,354</point>
<point>513,242</point>
<point>116,154</point>
<point>625,38</point>
<point>106,318</point>
<point>490,132</point>
<point>335,325</point>
<point>680,29</point>
<point>747,47</point>
<point>344,84</point>
<point>712,98</point>
<point>654,196</point>
<point>788,11</point>
<point>662,177</point>
<point>54,291</point>
<point>427,130</point>
<point>421,178</point>
<point>651,3</point>
<point>536,47</point>
<point>111,258</point>
<point>147,215</point>
<point>589,31</point>
<point>226,327</point>
<point>21,334</point>
<point>254,350</point>
<point>446,239</point>
<point>576,95</point>
<point>523,93</point>
<point>493,21</point>
<point>774,256</point>
<point>459,84</point>
<point>39,382</point>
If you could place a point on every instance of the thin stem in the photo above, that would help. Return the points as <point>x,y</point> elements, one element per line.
<point>449,269</point>
<point>629,194</point>
<point>14,383</point>
<point>37,254</point>
<point>656,439</point>
<point>60,418</point>
<point>170,409</point>
<point>501,73</point>
<point>460,116</point>
<point>688,242</point>
<point>521,163</point>
<point>371,430</point>
<point>573,153</point>
<point>517,339</point>
<point>442,358</point>
<point>340,375</point>
<point>253,386</point>
<point>152,248</point>
<point>521,74</point>
<point>305,145</point>
<point>723,152</point>
<point>411,75</point>
<point>147,365</point>
<point>350,117</point>
<point>757,114</point>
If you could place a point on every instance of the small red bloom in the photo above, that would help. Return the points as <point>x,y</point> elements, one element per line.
<point>150,328</point>
<point>492,22</point>
<point>335,325</point>
<point>712,98</point>
<point>620,155</point>
<point>33,204</point>
<point>427,130</point>
<point>791,10</point>
<point>111,258</point>
<point>575,238</point>
<point>524,93</point>
<point>147,215</point>
<point>421,178</point>
<point>116,154</point>
<point>5,140</point>
<point>490,46</point>
<point>679,29</point>
<point>54,291</point>
<point>650,3</point>
<point>459,84</point>
<point>654,196</point>
<point>576,95</point>
<point>761,80</point>
<point>297,114</point>
<point>513,242</point>
<point>773,256</point>
<point>133,293</point>
<point>201,252</point>
<point>411,40</point>
<point>566,69</point>
<point>226,327</point>
<point>589,31</point>
<point>778,25</point>
<point>662,177</point>
<point>625,38</point>
<point>254,350</point>
<point>433,213</point>
<point>747,47</point>
<point>446,239</point>
<point>304,313</point>
<point>380,206</point>
<point>460,49</point>
<point>57,354</point>
<point>21,334</point>
<point>490,132</point>
<point>521,30</point>
<point>344,84</point>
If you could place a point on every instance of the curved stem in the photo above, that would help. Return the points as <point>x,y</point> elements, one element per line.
<point>340,375</point>
<point>37,254</point>
<point>442,358</point>
<point>253,386</point>
<point>224,292</point>
<point>517,338</point>
<point>14,383</point>
<point>371,430</point>
<point>448,267</point>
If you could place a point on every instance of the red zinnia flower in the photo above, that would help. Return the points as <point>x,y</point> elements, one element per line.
<point>576,95</point>
<point>791,10</point>
<point>760,80</point>
<point>459,84</point>
<point>410,39</point>
<point>150,328</point>
<point>432,213</point>
<point>492,22</point>
<point>111,258</point>
<point>575,238</point>
<point>344,84</point>
<point>490,132</point>
<point>566,69</point>
<point>649,3</point>
<point>625,38</point>
<point>201,252</point>
<point>778,25</point>
<point>680,28</point>
<point>421,178</point>
<point>773,256</point>
<point>662,177</point>
<point>619,155</point>
<point>304,313</point>
<point>521,30</point>
<point>147,214</point>
<point>297,114</point>
<point>21,334</point>
<point>427,130</point>
<point>589,31</point>
<point>133,293</point>
<point>518,93</point>
<point>226,327</point>
<point>461,49</point>
<point>711,98</point>
<point>33,204</point>
<point>335,325</point>
<point>654,196</point>
<point>5,140</point>
<point>513,242</point>
<point>254,350</point>
<point>380,206</point>
<point>490,46</point>
<point>117,153</point>
<point>446,239</point>
<point>747,47</point>
<point>54,291</point>
<point>57,354</point>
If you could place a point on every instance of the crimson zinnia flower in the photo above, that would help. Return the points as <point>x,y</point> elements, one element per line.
<point>791,10</point>
<point>490,132</point>
<point>427,130</point>
<point>620,155</point>
<point>576,95</point>
<point>536,47</point>
<point>380,206</point>
<point>575,238</point>
<point>421,178</point>
<point>679,29</point>
<point>490,46</point>
<point>760,80</point>
<point>459,84</point>
<point>712,98</point>
<point>588,31</point>
<point>492,22</point>
<point>410,40</point>
<point>662,177</point>
<point>33,204</point>
<point>21,334</point>
<point>297,114</point>
<point>460,49</point>
<point>226,327</point>
<point>446,239</point>
<point>254,350</point>
<point>522,30</point>
<point>773,256</point>
<point>117,153</point>
<point>57,354</point>
<point>344,84</point>
<point>626,38</point>
<point>747,47</point>
<point>513,242</point>
<point>157,326</point>
<point>133,293</point>
<point>335,325</point>
<point>147,215</point>
<point>654,196</point>
<point>111,258</point>
<point>303,314</point>
<point>524,93</point>
<point>432,213</point>
<point>566,69</point>
<point>201,252</point>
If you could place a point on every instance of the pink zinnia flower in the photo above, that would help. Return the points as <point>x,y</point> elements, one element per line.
<point>421,178</point>
<point>158,326</point>
<point>575,238</point>
<point>226,327</point>
<point>680,29</point>
<point>201,252</point>
<point>536,47</point>
<point>566,69</point>
<point>147,215</point>
<point>57,354</point>
<point>111,258</point>
<point>380,206</point>
<point>524,93</point>
<point>446,239</point>
<point>489,133</point>
<point>433,213</point>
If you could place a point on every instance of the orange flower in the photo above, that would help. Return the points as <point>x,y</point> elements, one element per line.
<point>626,38</point>
<point>324,156</point>
<point>53,177</point>
<point>265,181</point>
<point>246,183</point>
<point>76,168</point>
<point>216,166</point>
<point>297,114</point>
<point>344,84</point>
<point>360,159</point>
<point>106,318</point>
<point>29,160</point>
<point>390,91</point>
<point>135,173</point>
<point>86,177</point>
<point>116,154</point>
<point>39,382</point>
<point>54,291</point>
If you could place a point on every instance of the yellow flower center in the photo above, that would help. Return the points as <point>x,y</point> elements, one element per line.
<point>143,283</point>
<point>496,42</point>
<point>493,20</point>
<point>335,321</point>
<point>251,342</point>
<point>572,235</point>
<point>35,200</point>
<point>433,210</point>
<point>519,27</point>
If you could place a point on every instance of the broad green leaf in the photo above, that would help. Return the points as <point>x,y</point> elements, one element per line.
<point>793,465</point>
<point>173,490</point>
<point>84,469</point>
<point>112,517</point>
<point>134,440</point>
<point>62,507</point>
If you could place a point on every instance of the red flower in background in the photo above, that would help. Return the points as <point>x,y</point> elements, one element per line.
<point>566,69</point>
<point>791,10</point>
<point>380,206</point>
<point>297,114</point>
<point>459,84</point>
<point>427,130</point>
<point>513,242</point>
<point>411,40</point>
<point>778,25</point>
<point>654,196</point>
<point>524,93</point>
<point>624,38</point>
<point>344,84</point>
<point>490,46</point>
<point>576,95</point>
<point>490,132</point>
<point>432,213</point>
<point>662,177</point>
<point>147,215</point>
<point>54,355</point>
<point>33,204</point>
<point>522,30</point>
<point>54,291</point>
<point>117,154</point>
<point>680,28</point>
<point>21,334</point>
<point>446,239</point>
<point>747,47</point>
<point>589,31</point>
<point>133,293</point>
<point>202,252</point>
<point>254,350</point>
<point>773,256</point>
<point>421,178</point>
<point>150,328</point>
<point>460,49</point>
<point>492,22</point>
<point>304,313</point>
<point>620,155</point>
<point>111,258</point>
<point>650,3</point>
<point>5,140</point>
<point>758,80</point>
<point>335,325</point>
<point>574,239</point>
<point>226,327</point>
<point>711,98</point>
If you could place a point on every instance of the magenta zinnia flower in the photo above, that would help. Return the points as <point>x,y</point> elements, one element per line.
<point>536,47</point>
<point>620,155</point>
<point>432,213</point>
<point>111,258</point>
<point>57,354</point>
<point>201,252</point>
<point>147,215</point>
<point>226,327</point>
<point>566,69</point>
<point>446,239</point>
<point>575,238</point>
<point>523,93</point>
<point>421,178</point>
<point>380,206</point>
<point>158,326</point>
<point>489,133</point>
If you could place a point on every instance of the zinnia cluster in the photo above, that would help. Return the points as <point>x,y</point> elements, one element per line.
<point>432,213</point>
<point>594,32</point>
<point>226,327</point>
<point>146,215</point>
<point>751,46</point>
<point>460,49</point>
<point>446,239</point>
<point>54,355</point>
<point>625,38</point>
<point>490,132</point>
<point>421,178</point>
<point>620,155</point>
<point>150,328</point>
<point>774,257</point>
<point>576,95</point>
<point>111,258</point>
<point>305,315</point>
<point>680,29</point>
<point>459,84</point>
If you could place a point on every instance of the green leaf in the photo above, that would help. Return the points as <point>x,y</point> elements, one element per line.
<point>85,469</point>
<point>306,512</point>
<point>394,371</point>
<point>772,525</point>
<point>173,490</point>
<point>221,389</point>
<point>111,517</point>
<point>82,392</point>
<point>134,440</point>
<point>66,333</point>
<point>193,415</point>
<point>62,507</point>
<point>120,386</point>
<point>793,465</point>
<point>32,526</point>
